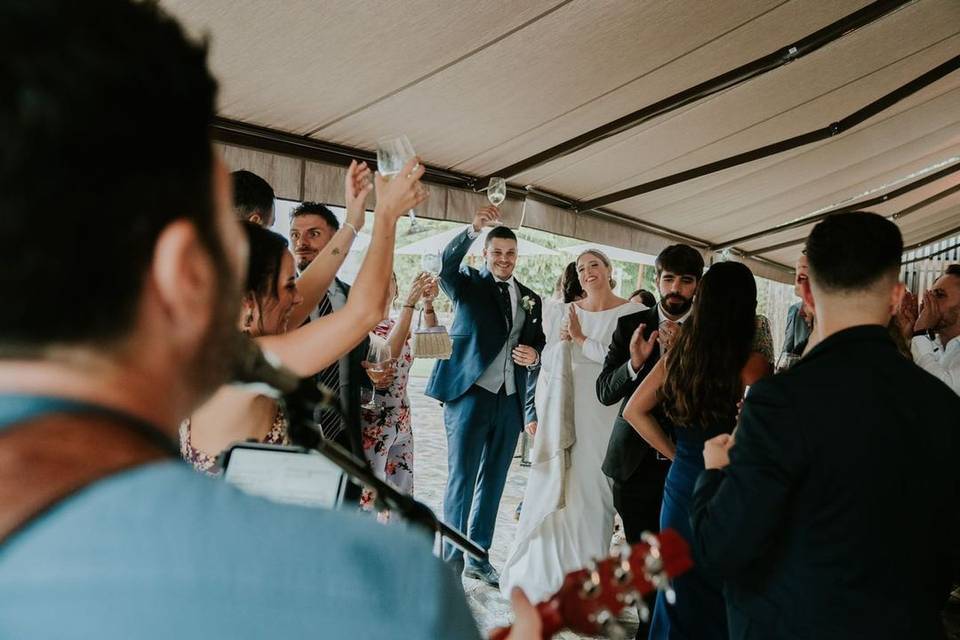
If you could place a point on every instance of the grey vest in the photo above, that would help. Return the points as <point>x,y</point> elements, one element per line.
<point>500,372</point>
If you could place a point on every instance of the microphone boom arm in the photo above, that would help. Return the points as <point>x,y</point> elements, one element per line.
<point>300,412</point>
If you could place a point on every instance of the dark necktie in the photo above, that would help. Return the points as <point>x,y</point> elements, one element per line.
<point>505,294</point>
<point>330,422</point>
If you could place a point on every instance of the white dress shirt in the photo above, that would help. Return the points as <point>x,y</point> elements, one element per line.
<point>939,360</point>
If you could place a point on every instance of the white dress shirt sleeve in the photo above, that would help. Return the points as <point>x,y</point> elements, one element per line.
<point>930,357</point>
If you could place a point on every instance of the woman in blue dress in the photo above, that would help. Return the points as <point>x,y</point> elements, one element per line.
<point>696,387</point>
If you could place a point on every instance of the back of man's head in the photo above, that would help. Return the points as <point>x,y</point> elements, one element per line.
<point>852,252</point>
<point>104,119</point>
<point>681,260</point>
<point>252,198</point>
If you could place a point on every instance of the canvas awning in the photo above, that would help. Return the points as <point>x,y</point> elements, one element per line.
<point>614,253</point>
<point>479,86</point>
<point>437,242</point>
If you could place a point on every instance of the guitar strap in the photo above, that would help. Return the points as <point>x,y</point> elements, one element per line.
<point>46,459</point>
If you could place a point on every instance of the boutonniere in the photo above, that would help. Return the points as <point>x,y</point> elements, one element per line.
<point>527,302</point>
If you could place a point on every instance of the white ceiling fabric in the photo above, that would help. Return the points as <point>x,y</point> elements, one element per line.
<point>482,84</point>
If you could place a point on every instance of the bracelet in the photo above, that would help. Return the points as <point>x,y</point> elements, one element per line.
<point>428,310</point>
<point>410,306</point>
<point>349,225</point>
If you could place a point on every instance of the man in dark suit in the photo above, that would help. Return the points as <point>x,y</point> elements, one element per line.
<point>636,470</point>
<point>312,225</point>
<point>835,514</point>
<point>497,334</point>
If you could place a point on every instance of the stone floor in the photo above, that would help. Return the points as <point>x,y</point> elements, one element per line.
<point>430,446</point>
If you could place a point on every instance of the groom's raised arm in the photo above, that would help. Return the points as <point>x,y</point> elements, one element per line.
<point>452,277</point>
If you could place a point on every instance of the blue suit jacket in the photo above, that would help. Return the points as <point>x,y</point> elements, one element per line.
<point>479,326</point>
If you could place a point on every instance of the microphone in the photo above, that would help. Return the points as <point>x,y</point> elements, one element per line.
<point>263,371</point>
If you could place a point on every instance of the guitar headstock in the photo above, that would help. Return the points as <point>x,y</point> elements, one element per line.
<point>592,598</point>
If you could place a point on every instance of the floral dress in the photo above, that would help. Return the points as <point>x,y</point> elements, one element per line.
<point>207,463</point>
<point>763,339</point>
<point>387,433</point>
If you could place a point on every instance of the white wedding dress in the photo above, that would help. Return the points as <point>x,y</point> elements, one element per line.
<point>567,515</point>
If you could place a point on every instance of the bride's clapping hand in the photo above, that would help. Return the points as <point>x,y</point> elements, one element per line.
<point>573,329</point>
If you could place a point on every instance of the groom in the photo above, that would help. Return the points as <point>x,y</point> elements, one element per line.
<point>497,334</point>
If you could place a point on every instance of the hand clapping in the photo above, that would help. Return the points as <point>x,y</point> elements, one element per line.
<point>640,348</point>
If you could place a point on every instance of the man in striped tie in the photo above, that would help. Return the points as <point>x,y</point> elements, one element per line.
<point>312,225</point>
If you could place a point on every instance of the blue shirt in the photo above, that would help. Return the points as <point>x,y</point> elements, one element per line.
<point>164,552</point>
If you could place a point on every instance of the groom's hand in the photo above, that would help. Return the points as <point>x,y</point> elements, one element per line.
<point>525,356</point>
<point>486,216</point>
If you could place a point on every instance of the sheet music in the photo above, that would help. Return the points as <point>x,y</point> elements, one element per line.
<point>306,479</point>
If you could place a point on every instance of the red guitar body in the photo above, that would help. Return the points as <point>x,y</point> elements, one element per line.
<point>591,599</point>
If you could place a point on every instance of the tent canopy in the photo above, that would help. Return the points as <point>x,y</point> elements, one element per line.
<point>436,243</point>
<point>480,85</point>
<point>614,253</point>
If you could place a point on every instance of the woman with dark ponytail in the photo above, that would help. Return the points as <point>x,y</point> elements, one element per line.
<point>696,387</point>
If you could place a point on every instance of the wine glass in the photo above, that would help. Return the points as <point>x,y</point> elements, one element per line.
<point>393,153</point>
<point>431,263</point>
<point>497,191</point>
<point>378,356</point>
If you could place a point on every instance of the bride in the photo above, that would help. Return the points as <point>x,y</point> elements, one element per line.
<point>567,516</point>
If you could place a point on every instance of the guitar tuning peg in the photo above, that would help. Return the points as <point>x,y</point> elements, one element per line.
<point>623,573</point>
<point>591,586</point>
<point>610,625</point>
<point>643,611</point>
<point>670,595</point>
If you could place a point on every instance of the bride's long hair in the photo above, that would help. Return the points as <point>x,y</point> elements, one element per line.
<point>702,384</point>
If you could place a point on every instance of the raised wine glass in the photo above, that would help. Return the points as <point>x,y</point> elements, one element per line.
<point>378,357</point>
<point>393,153</point>
<point>497,191</point>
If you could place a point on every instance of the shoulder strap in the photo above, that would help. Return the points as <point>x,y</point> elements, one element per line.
<point>47,459</point>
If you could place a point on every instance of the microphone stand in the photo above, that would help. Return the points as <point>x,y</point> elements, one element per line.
<point>300,407</point>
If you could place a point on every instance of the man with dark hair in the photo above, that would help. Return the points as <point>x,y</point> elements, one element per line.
<point>638,471</point>
<point>799,319</point>
<point>834,514</point>
<point>312,226</point>
<point>104,531</point>
<point>252,198</point>
<point>933,330</point>
<point>497,335</point>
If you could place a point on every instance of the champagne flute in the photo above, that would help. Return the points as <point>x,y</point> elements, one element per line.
<point>378,356</point>
<point>393,153</point>
<point>497,191</point>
